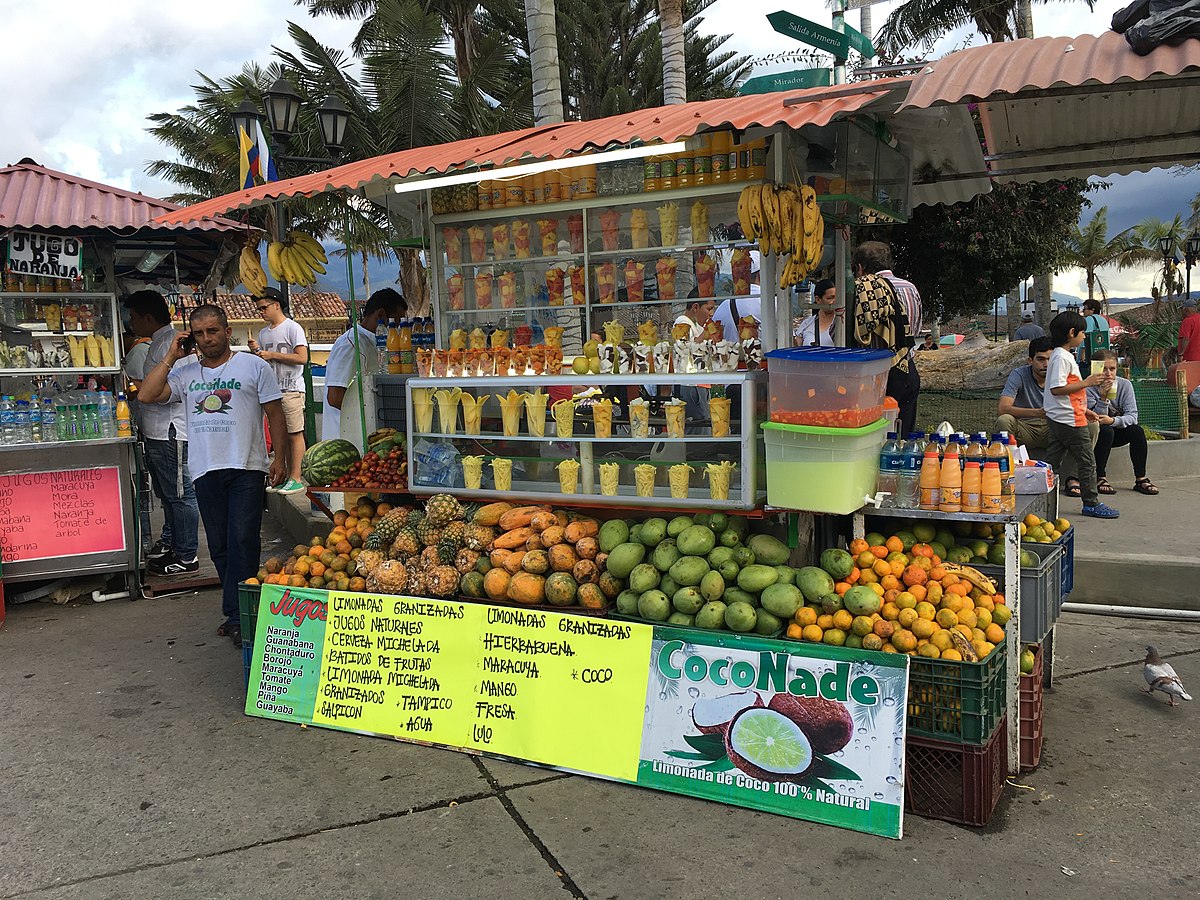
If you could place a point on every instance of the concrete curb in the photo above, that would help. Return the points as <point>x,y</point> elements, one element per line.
<point>293,511</point>
<point>1136,579</point>
<point>1167,459</point>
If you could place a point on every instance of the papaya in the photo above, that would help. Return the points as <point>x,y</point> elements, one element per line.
<point>581,528</point>
<point>535,543</point>
<point>510,540</point>
<point>562,557</point>
<point>536,561</point>
<point>491,513</point>
<point>497,557</point>
<point>587,548</point>
<point>519,517</point>
<point>561,589</point>
<point>563,517</point>
<point>591,597</point>
<point>555,534</point>
<point>585,572</point>
<point>495,584</point>
<point>512,563</point>
<point>527,588</point>
<point>540,521</point>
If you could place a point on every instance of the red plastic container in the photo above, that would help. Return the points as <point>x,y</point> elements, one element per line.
<point>956,782</point>
<point>1031,714</point>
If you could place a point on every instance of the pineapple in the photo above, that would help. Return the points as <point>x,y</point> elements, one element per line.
<point>441,509</point>
<point>386,530</point>
<point>369,561</point>
<point>430,557</point>
<point>428,533</point>
<point>418,583</point>
<point>415,517</point>
<point>465,560</point>
<point>407,542</point>
<point>443,581</point>
<point>455,533</point>
<point>477,537</point>
<point>446,551</point>
<point>392,577</point>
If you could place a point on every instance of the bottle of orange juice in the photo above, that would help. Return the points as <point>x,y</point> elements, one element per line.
<point>408,359</point>
<point>950,500</point>
<point>1010,484</point>
<point>393,348</point>
<point>990,488</point>
<point>997,451</point>
<point>931,479</point>
<point>972,484</point>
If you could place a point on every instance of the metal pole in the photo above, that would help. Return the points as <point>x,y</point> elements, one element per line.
<point>840,281</point>
<point>839,25</point>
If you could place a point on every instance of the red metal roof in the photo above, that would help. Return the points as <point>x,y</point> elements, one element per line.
<point>666,123</point>
<point>32,196</point>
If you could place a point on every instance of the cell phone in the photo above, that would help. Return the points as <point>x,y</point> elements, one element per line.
<point>188,344</point>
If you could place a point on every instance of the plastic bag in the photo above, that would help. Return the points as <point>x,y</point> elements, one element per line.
<point>1169,22</point>
<point>1132,14</point>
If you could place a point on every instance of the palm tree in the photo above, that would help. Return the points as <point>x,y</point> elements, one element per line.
<point>1150,233</point>
<point>1089,248</point>
<point>544,62</point>
<point>922,22</point>
<point>670,15</point>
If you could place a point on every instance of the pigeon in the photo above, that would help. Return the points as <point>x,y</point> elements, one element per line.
<point>1160,676</point>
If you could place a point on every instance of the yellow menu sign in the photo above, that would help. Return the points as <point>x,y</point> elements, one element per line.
<point>547,687</point>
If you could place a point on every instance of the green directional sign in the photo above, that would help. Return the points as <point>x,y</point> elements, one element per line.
<point>860,42</point>
<point>788,81</point>
<point>810,33</point>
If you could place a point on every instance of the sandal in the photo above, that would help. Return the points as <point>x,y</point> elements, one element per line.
<point>1103,487</point>
<point>1145,486</point>
<point>1073,488</point>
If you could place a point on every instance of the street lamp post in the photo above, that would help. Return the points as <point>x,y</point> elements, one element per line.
<point>1166,246</point>
<point>1191,255</point>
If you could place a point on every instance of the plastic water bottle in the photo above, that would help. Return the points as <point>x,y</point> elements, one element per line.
<point>35,418</point>
<point>91,422</point>
<point>50,427</point>
<point>381,334</point>
<point>908,482</point>
<point>890,463</point>
<point>22,422</point>
<point>106,415</point>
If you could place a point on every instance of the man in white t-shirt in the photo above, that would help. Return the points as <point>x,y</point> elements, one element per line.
<point>225,396</point>
<point>341,369</point>
<point>282,343</point>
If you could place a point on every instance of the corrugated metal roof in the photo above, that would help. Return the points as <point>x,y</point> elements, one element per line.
<point>1061,107</point>
<point>666,123</point>
<point>32,196</point>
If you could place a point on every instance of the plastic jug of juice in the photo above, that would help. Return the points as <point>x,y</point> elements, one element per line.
<point>931,479</point>
<point>997,451</point>
<point>393,348</point>
<point>408,359</point>
<point>1009,487</point>
<point>950,500</point>
<point>990,488</point>
<point>124,419</point>
<point>972,484</point>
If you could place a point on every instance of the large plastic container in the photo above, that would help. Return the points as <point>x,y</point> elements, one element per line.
<point>1041,589</point>
<point>832,387</point>
<point>958,702</point>
<point>822,470</point>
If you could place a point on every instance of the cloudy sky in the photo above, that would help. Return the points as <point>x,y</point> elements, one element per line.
<point>81,79</point>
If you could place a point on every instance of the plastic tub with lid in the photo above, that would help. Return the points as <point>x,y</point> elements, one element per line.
<point>830,387</point>
<point>822,470</point>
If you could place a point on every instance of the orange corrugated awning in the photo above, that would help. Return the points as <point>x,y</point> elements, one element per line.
<point>817,106</point>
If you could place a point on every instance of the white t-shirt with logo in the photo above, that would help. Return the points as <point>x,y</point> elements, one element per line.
<point>223,412</point>
<point>285,338</point>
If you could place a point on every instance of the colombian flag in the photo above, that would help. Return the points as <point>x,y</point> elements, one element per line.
<point>265,169</point>
<point>247,159</point>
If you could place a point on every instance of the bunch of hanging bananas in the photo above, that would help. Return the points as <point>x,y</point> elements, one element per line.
<point>297,259</point>
<point>250,270</point>
<point>784,219</point>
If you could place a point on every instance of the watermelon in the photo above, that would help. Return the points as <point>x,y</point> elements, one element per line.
<point>326,461</point>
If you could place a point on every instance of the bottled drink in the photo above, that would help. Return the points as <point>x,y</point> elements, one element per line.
<point>35,419</point>
<point>972,482</point>
<point>891,460</point>
<point>393,348</point>
<point>50,427</point>
<point>1009,488</point>
<point>124,418</point>
<point>997,451</point>
<point>975,452</point>
<point>950,482</point>
<point>381,335</point>
<point>21,420</point>
<point>908,492</point>
<point>930,480</point>
<point>8,420</point>
<point>990,488</point>
<point>408,359</point>
<point>106,416</point>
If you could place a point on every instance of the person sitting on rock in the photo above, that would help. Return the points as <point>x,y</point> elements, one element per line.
<point>1116,405</point>
<point>1021,414</point>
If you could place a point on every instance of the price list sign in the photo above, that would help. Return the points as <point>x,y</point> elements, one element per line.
<point>46,515</point>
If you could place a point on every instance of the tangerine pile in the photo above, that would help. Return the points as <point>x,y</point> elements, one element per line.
<point>327,562</point>
<point>921,604</point>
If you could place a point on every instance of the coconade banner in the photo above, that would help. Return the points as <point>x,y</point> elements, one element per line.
<point>805,730</point>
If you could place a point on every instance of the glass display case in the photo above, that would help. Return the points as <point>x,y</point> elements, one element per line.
<point>630,258</point>
<point>858,171</point>
<point>58,334</point>
<point>635,440</point>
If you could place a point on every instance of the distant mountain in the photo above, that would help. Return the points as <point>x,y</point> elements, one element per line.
<point>383,274</point>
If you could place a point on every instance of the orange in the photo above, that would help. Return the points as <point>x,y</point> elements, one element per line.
<point>924,628</point>
<point>946,618</point>
<point>982,648</point>
<point>890,612</point>
<point>907,617</point>
<point>977,635</point>
<point>890,583</point>
<point>937,573</point>
<point>985,602</point>
<point>923,563</point>
<point>952,602</point>
<point>350,523</point>
<point>806,615</point>
<point>967,617</point>
<point>994,634</point>
<point>959,589</point>
<point>904,641</point>
<point>983,618</point>
<point>998,598</point>
<point>950,578</point>
<point>890,596</point>
<point>942,640</point>
<point>872,642</point>
<point>882,567</point>
<point>906,600</point>
<point>879,551</point>
<point>343,547</point>
<point>897,557</point>
<point>964,630</point>
<point>918,591</point>
<point>934,594</point>
<point>894,544</point>
<point>813,633</point>
<point>922,550</point>
<point>930,651</point>
<point>862,626</point>
<point>865,560</point>
<point>843,619</point>
<point>914,574</point>
<point>877,588</point>
<point>358,583</point>
<point>951,653</point>
<point>251,581</point>
<point>857,546</point>
<point>868,576</point>
<point>883,628</point>
<point>339,517</point>
<point>898,566</point>
<point>855,574</point>
<point>317,569</point>
<point>298,581</point>
<point>926,611</point>
<point>841,587</point>
<point>825,621</point>
<point>795,632</point>
<point>888,648</point>
<point>301,567</point>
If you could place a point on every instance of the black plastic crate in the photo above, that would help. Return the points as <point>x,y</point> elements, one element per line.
<point>956,782</point>
<point>1041,590</point>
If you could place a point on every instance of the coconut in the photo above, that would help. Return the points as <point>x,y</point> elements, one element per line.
<point>713,716</point>
<point>767,745</point>
<point>826,723</point>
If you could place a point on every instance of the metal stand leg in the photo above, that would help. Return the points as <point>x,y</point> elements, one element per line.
<point>1012,594</point>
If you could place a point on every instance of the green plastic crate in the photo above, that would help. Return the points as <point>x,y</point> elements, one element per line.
<point>248,595</point>
<point>959,702</point>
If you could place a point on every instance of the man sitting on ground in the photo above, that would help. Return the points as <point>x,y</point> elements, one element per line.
<point>1020,410</point>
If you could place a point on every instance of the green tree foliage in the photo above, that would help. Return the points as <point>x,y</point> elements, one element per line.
<point>1090,248</point>
<point>920,23</point>
<point>963,257</point>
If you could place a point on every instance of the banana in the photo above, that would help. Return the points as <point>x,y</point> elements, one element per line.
<point>963,646</point>
<point>749,229</point>
<point>301,271</point>
<point>771,209</point>
<point>304,253</point>
<point>106,351</point>
<point>972,575</point>
<point>310,244</point>
<point>273,263</point>
<point>756,211</point>
<point>251,270</point>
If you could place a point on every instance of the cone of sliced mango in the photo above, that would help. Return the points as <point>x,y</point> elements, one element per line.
<point>897,595</point>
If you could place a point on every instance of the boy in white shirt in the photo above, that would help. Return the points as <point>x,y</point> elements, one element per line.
<point>1065,402</point>
<point>282,343</point>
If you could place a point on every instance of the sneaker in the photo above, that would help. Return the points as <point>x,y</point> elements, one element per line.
<point>173,565</point>
<point>157,551</point>
<point>1101,511</point>
<point>273,489</point>
<point>291,486</point>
